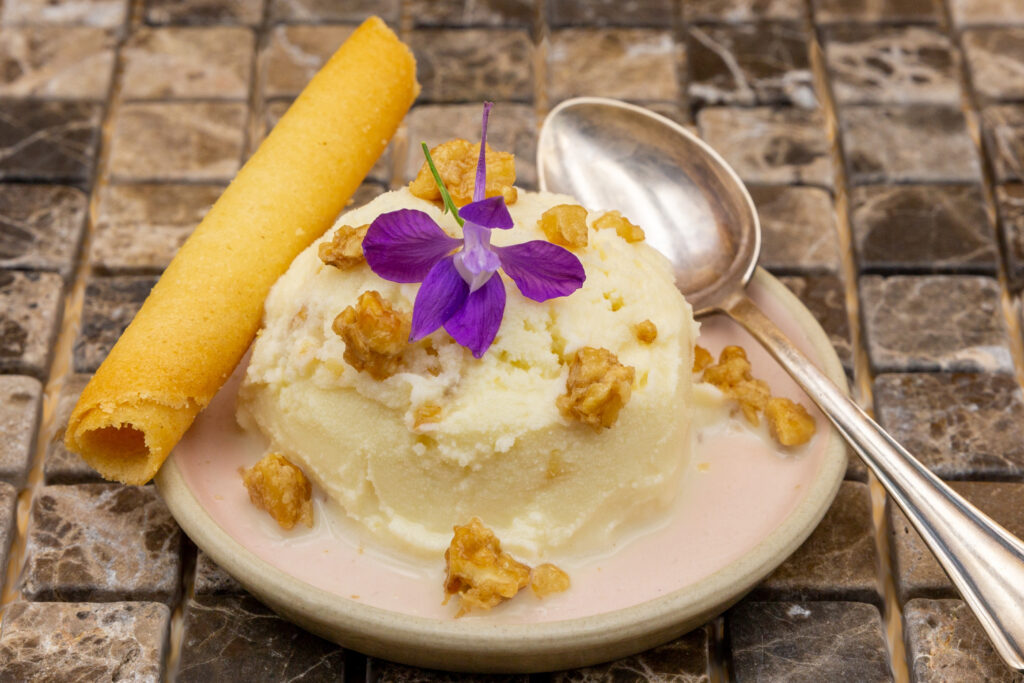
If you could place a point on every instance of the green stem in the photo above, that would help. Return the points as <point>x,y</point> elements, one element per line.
<point>449,205</point>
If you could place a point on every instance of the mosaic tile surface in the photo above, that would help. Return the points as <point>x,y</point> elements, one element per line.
<point>1003,135</point>
<point>41,227</point>
<point>110,304</point>
<point>203,11</point>
<point>60,465</point>
<point>798,229</point>
<point>995,57</point>
<point>30,309</point>
<point>54,61</point>
<point>20,407</point>
<point>1010,200</point>
<point>474,65</point>
<point>48,141</point>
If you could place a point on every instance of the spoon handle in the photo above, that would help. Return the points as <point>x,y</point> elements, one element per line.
<point>984,561</point>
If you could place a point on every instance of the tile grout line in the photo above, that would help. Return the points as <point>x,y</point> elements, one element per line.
<point>892,617</point>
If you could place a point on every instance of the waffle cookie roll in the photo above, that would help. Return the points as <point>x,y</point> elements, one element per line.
<point>202,315</point>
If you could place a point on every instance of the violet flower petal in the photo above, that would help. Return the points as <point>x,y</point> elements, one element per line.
<point>489,213</point>
<point>480,182</point>
<point>404,245</point>
<point>542,270</point>
<point>441,295</point>
<point>476,324</point>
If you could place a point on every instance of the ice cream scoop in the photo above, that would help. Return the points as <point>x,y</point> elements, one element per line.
<point>695,209</point>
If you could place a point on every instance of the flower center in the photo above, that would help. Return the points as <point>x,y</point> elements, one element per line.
<point>476,262</point>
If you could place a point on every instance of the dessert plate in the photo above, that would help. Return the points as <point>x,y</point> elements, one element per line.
<point>743,508</point>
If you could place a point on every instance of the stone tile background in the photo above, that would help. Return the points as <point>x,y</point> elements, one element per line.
<point>883,142</point>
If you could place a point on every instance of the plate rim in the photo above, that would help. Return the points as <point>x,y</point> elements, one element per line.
<point>474,645</point>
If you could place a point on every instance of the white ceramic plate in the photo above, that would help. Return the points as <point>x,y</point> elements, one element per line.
<point>740,516</point>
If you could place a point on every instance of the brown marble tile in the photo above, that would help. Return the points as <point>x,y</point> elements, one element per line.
<point>1002,129</point>
<point>628,64</point>
<point>8,520</point>
<point>511,128</point>
<point>122,641</point>
<point>48,141</point>
<point>743,11</point>
<point>915,569</point>
<point>683,660</point>
<point>986,12</point>
<point>891,65</point>
<point>907,144</point>
<point>945,642</point>
<point>922,229</point>
<point>808,641</point>
<point>366,192</point>
<point>934,323</point>
<point>110,304</point>
<point>478,13</point>
<point>877,11</point>
<point>577,13</point>
<point>350,11</point>
<point>1010,200</point>
<point>56,61</point>
<point>212,580</point>
<point>392,672</point>
<point>825,297</point>
<point>20,404</point>
<point>750,64</point>
<point>473,65</point>
<point>837,562</point>
<point>995,58</point>
<point>107,13</point>
<point>61,466</point>
<point>187,62</point>
<point>41,227</point>
<point>295,53</point>
<point>101,543</point>
<point>961,426</point>
<point>30,310</point>
<point>204,11</point>
<point>780,146</point>
<point>798,229</point>
<point>237,638</point>
<point>139,228</point>
<point>177,141</point>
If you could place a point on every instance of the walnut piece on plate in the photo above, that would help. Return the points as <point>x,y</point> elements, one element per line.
<point>565,225</point>
<point>456,162</point>
<point>375,335</point>
<point>345,250</point>
<point>788,422</point>
<point>597,388</point>
<point>279,487</point>
<point>479,572</point>
<point>546,579</point>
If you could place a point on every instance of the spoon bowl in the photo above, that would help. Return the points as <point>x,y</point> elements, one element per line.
<point>694,208</point>
<point>613,155</point>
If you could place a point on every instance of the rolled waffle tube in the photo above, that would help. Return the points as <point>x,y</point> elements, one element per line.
<point>204,312</point>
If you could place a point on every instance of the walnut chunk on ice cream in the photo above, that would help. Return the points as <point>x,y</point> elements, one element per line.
<point>565,225</point>
<point>478,571</point>
<point>597,388</point>
<point>733,377</point>
<point>547,579</point>
<point>613,220</point>
<point>646,331</point>
<point>345,250</point>
<point>279,487</point>
<point>375,335</point>
<point>456,162</point>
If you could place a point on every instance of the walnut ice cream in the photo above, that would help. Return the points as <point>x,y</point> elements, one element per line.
<point>573,426</point>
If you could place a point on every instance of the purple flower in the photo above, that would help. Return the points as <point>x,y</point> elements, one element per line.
<point>460,289</point>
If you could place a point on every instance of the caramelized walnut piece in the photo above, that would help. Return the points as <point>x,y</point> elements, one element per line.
<point>732,376</point>
<point>426,412</point>
<point>646,331</point>
<point>546,579</point>
<point>375,334</point>
<point>280,488</point>
<point>345,250</point>
<point>479,572</point>
<point>626,230</point>
<point>596,389</point>
<point>565,225</point>
<point>702,358</point>
<point>789,422</point>
<point>456,162</point>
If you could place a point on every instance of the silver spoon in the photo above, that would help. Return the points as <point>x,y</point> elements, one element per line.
<point>695,210</point>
